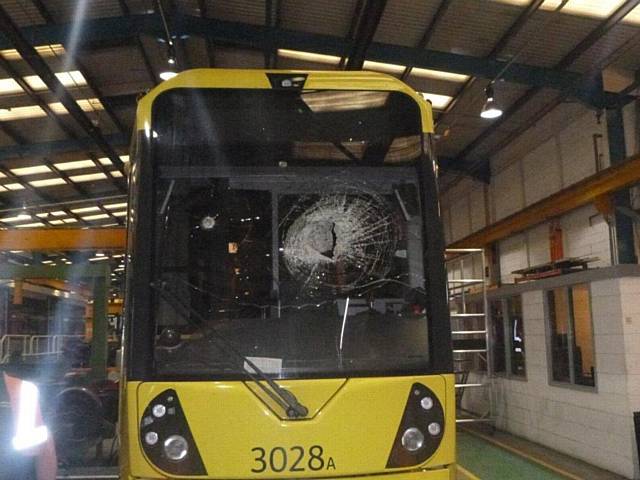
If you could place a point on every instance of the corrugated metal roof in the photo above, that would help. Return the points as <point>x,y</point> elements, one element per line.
<point>405,21</point>
<point>64,11</point>
<point>246,11</point>
<point>329,17</point>
<point>472,28</point>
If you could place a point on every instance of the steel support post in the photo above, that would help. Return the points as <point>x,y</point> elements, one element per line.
<point>99,346</point>
<point>623,245</point>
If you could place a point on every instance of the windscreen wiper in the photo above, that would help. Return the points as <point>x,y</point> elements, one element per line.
<point>284,398</point>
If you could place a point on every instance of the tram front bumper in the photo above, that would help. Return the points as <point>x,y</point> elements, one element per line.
<point>447,473</point>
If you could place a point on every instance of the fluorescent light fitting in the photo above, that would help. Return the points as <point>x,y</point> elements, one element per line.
<point>13,186</point>
<point>119,214</point>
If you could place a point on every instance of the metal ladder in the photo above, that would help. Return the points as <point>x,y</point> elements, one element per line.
<point>467,291</point>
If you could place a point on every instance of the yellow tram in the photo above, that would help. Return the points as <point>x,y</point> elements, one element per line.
<point>286,310</point>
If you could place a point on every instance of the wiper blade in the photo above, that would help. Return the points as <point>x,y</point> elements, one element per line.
<point>284,398</point>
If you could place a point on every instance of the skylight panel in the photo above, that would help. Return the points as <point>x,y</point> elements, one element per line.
<point>70,79</point>
<point>583,8</point>
<point>88,177</point>
<point>48,182</point>
<point>106,161</point>
<point>31,170</point>
<point>439,102</point>
<point>383,67</point>
<point>95,217</point>
<point>115,206</point>
<point>75,165</point>
<point>439,75</point>
<point>34,111</point>
<point>53,50</point>
<point>30,225</point>
<point>85,209</point>
<point>309,56</point>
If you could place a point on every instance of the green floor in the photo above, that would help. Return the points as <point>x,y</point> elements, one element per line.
<point>489,462</point>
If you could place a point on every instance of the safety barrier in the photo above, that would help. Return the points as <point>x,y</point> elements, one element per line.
<point>32,345</point>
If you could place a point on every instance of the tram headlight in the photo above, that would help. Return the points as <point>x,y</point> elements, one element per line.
<point>176,448</point>
<point>421,428</point>
<point>412,439</point>
<point>434,429</point>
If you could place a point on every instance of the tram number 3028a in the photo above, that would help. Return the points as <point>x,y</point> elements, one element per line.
<point>295,459</point>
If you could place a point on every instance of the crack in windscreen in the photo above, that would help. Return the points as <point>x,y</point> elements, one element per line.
<point>340,240</point>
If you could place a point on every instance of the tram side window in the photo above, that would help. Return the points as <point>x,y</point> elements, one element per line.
<point>507,331</point>
<point>571,335</point>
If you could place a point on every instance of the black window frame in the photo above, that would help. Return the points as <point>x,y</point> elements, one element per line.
<point>571,339</point>
<point>505,328</point>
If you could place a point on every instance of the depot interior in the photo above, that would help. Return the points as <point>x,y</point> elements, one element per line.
<point>537,137</point>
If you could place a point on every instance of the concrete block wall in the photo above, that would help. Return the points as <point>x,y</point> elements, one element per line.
<point>593,425</point>
<point>553,155</point>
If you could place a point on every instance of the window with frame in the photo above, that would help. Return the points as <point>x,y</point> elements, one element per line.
<point>507,335</point>
<point>572,355</point>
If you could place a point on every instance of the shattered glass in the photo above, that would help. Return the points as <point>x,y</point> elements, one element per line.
<point>301,258</point>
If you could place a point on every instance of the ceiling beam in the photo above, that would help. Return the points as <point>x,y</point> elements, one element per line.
<point>204,13</point>
<point>353,28</point>
<point>47,239</point>
<point>589,41</point>
<point>123,29</point>
<point>39,66</point>
<point>272,21</point>
<point>363,38</point>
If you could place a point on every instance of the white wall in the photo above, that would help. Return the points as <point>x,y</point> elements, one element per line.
<point>554,154</point>
<point>595,426</point>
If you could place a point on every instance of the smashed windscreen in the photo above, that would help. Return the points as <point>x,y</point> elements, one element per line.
<point>290,225</point>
